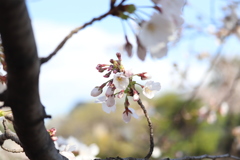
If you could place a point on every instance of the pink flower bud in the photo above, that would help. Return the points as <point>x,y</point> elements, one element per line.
<point>52,131</point>
<point>109,92</point>
<point>115,71</point>
<point>120,94</point>
<point>101,70</point>
<point>128,113</point>
<point>110,67</point>
<point>112,61</point>
<point>135,95</point>
<point>128,73</point>
<point>108,74</point>
<point>54,138</point>
<point>145,76</point>
<point>110,101</point>
<point>119,56</point>
<point>141,50</point>
<point>98,66</point>
<point>128,47</point>
<point>126,116</point>
<point>96,91</point>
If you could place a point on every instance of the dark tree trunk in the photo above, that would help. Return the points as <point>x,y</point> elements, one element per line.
<point>23,69</point>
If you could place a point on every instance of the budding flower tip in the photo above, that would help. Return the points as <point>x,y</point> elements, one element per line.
<point>119,56</point>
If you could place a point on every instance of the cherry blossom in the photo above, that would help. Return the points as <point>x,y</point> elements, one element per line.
<point>96,91</point>
<point>158,29</point>
<point>135,95</point>
<point>128,73</point>
<point>159,50</point>
<point>110,101</point>
<point>173,9</point>
<point>128,113</point>
<point>122,84</point>
<point>52,133</point>
<point>110,91</point>
<point>156,32</point>
<point>68,155</point>
<point>150,88</point>
<point>120,81</point>
<point>82,151</point>
<point>128,47</point>
<point>105,107</point>
<point>162,27</point>
<point>120,94</point>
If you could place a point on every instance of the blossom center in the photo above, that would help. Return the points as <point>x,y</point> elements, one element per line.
<point>119,79</point>
<point>151,27</point>
<point>147,90</point>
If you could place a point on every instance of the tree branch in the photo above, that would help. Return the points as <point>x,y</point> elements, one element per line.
<point>183,158</point>
<point>45,59</point>
<point>150,129</point>
<point>23,69</point>
<point>204,157</point>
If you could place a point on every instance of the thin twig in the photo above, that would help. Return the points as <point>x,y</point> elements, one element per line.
<point>213,63</point>
<point>111,11</point>
<point>150,129</point>
<point>8,134</point>
<point>45,59</point>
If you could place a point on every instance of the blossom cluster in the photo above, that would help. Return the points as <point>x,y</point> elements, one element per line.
<point>75,150</point>
<point>122,84</point>
<point>72,149</point>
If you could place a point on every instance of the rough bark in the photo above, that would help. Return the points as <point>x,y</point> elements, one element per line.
<point>23,69</point>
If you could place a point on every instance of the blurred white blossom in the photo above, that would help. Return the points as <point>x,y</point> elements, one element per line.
<point>150,88</point>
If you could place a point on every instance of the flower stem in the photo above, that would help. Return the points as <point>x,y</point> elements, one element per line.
<point>150,129</point>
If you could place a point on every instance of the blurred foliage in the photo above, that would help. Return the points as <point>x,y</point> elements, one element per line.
<point>178,130</point>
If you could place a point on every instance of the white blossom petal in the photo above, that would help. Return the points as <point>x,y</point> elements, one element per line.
<point>101,99</point>
<point>3,87</point>
<point>129,73</point>
<point>108,109</point>
<point>133,113</point>
<point>136,97</point>
<point>68,155</point>
<point>111,101</point>
<point>96,92</point>
<point>126,117</point>
<point>120,81</point>
<point>109,91</point>
<point>150,88</point>
<point>158,51</point>
<point>158,29</point>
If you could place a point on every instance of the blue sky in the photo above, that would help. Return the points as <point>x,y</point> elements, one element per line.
<point>71,75</point>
